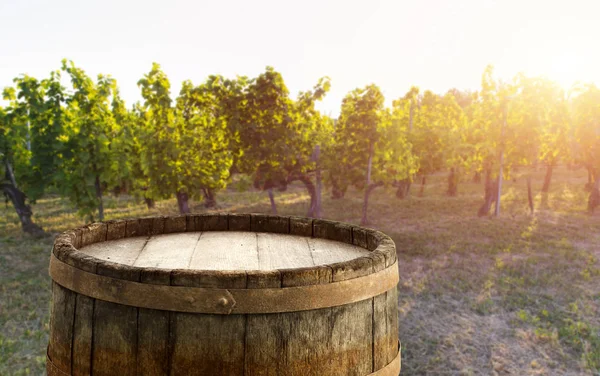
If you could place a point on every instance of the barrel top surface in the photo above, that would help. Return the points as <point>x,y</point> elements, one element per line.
<point>224,250</point>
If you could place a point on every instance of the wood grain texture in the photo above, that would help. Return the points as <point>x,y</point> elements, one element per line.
<point>133,228</point>
<point>143,227</point>
<point>61,327</point>
<point>93,233</point>
<point>208,344</point>
<point>175,224</point>
<point>158,225</point>
<point>331,341</point>
<point>83,324</point>
<point>385,328</point>
<point>359,237</point>
<point>282,252</point>
<point>353,268</point>
<point>330,251</point>
<point>315,275</point>
<point>267,223</point>
<point>225,251</point>
<point>82,336</point>
<point>239,222</point>
<point>115,230</point>
<point>211,222</point>
<point>392,324</point>
<point>115,330</point>
<point>301,226</point>
<point>124,251</point>
<point>153,351</point>
<point>169,251</point>
<point>388,249</point>
<point>331,230</point>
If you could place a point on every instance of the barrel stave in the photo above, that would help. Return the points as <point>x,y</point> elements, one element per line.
<point>153,340</point>
<point>115,328</point>
<point>205,344</point>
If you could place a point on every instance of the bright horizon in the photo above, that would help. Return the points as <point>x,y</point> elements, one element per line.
<point>436,45</point>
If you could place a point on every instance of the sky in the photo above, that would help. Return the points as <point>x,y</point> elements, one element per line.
<point>396,44</point>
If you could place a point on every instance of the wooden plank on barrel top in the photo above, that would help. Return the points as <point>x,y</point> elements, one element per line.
<point>168,251</point>
<point>328,251</point>
<point>115,329</point>
<point>277,251</point>
<point>122,251</point>
<point>225,251</point>
<point>207,344</point>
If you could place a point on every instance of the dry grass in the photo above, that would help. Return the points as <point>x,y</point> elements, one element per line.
<point>515,295</point>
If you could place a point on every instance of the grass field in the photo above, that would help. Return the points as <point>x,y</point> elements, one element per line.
<point>515,295</point>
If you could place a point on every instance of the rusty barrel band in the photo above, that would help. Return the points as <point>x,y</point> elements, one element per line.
<point>222,301</point>
<point>392,369</point>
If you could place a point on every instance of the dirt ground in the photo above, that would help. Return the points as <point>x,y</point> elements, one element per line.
<point>514,295</point>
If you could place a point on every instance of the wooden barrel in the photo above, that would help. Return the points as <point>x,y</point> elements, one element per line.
<point>224,294</point>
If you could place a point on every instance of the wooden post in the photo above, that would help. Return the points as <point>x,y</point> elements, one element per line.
<point>99,196</point>
<point>318,212</point>
<point>529,194</point>
<point>272,199</point>
<point>364,219</point>
<point>497,212</point>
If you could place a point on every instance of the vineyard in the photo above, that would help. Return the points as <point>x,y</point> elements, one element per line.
<point>489,196</point>
<point>518,294</point>
<point>84,142</point>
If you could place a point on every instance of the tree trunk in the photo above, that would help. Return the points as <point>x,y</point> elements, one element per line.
<point>548,177</point>
<point>337,192</point>
<point>403,188</point>
<point>272,199</point>
<point>594,198</point>
<point>99,197</point>
<point>423,182</point>
<point>452,183</point>
<point>10,175</point>
<point>477,178</point>
<point>491,194</point>
<point>209,198</point>
<point>590,182</point>
<point>529,194</point>
<point>23,210</point>
<point>310,187</point>
<point>182,202</point>
<point>318,209</point>
<point>365,220</point>
<point>499,183</point>
<point>149,203</point>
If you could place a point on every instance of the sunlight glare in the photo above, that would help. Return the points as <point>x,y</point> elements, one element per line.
<point>565,69</point>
